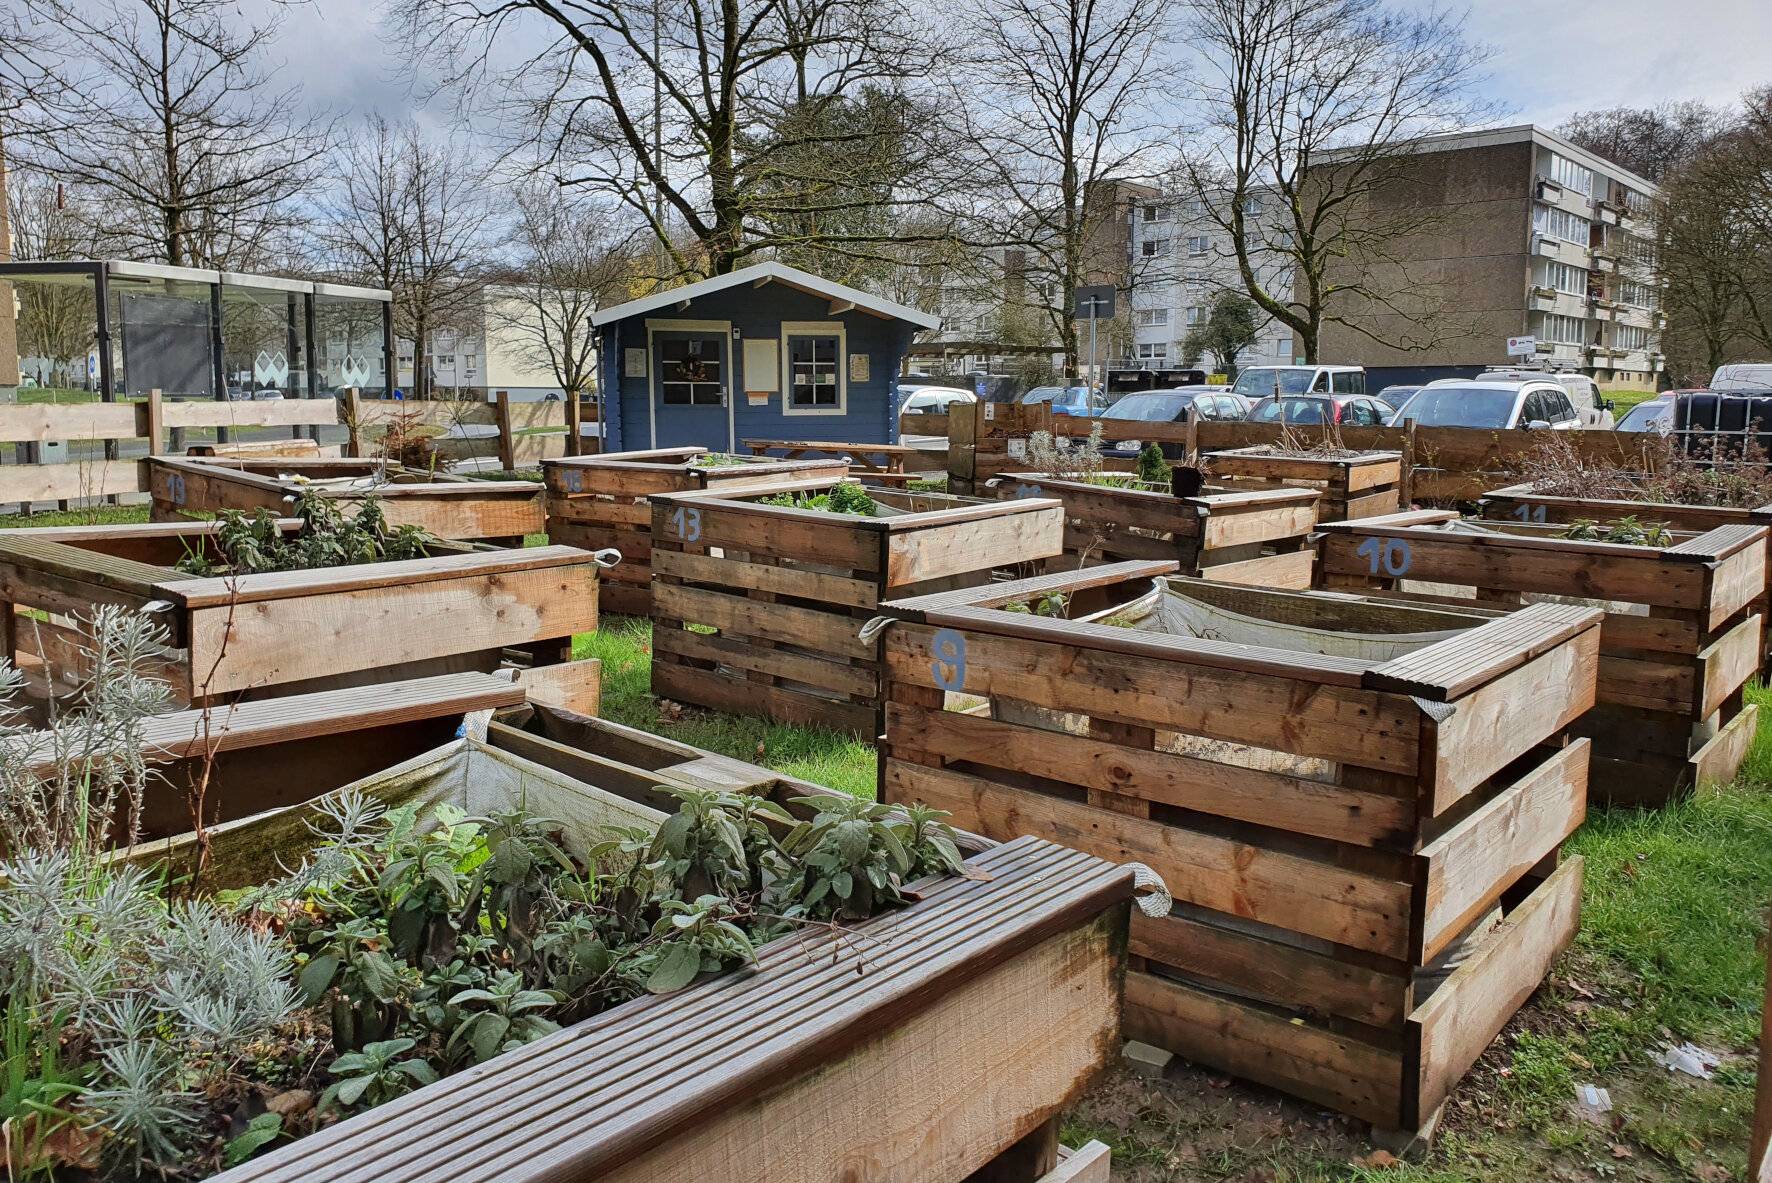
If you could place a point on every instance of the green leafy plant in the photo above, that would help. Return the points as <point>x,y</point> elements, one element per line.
<point>1152,467</point>
<point>689,938</point>
<point>327,537</point>
<point>853,857</point>
<point>260,1132</point>
<point>847,497</point>
<point>376,1074</point>
<point>1626,530</point>
<point>504,1015</point>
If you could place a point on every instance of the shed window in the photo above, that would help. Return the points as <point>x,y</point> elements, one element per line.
<point>691,372</point>
<point>813,363</point>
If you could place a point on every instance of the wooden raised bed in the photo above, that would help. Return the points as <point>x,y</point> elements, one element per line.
<point>1360,486</point>
<point>1519,503</point>
<point>1330,827</point>
<point>599,501</point>
<point>450,507</point>
<point>883,1044</point>
<point>1259,537</point>
<point>1682,635</point>
<point>289,632</point>
<point>757,609</point>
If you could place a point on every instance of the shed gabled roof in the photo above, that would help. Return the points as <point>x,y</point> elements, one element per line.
<point>843,298</point>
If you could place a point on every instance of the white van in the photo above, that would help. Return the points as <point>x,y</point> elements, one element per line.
<point>1269,381</point>
<point>1743,377</point>
<point>1594,408</point>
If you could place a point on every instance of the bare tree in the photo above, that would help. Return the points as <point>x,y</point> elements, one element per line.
<point>1650,141</point>
<point>1317,105</point>
<point>733,128</point>
<point>411,216</point>
<point>1063,94</point>
<point>55,321</point>
<point>174,122</point>
<point>567,261</point>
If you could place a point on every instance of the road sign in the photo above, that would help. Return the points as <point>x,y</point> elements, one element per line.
<point>1093,302</point>
<point>1522,346</point>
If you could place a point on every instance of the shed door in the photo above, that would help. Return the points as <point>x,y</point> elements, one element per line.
<point>690,388</point>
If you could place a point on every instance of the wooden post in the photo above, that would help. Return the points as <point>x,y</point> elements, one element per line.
<point>1191,457</point>
<point>1759,1156</point>
<point>574,420</point>
<point>1408,486</point>
<point>963,432</point>
<point>155,427</point>
<point>353,422</point>
<point>507,439</point>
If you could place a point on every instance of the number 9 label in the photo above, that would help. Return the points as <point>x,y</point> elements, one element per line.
<point>948,664</point>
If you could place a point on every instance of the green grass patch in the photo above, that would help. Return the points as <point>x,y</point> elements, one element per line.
<point>98,515</point>
<point>825,757</point>
<point>1624,400</point>
<point>34,395</point>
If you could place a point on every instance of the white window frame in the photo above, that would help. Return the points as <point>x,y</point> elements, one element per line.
<point>815,328</point>
<point>1154,248</point>
<point>1157,351</point>
<point>1204,246</point>
<point>1153,317</point>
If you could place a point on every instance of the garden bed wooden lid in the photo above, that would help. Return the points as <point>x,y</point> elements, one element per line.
<point>582,1102</point>
<point>1707,547</point>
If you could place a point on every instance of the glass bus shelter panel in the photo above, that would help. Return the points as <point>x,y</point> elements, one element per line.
<point>163,337</point>
<point>56,335</point>
<point>348,345</point>
<point>264,342</point>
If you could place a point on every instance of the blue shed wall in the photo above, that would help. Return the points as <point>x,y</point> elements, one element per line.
<point>871,412</point>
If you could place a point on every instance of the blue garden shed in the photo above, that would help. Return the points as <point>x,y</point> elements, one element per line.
<point>766,352</point>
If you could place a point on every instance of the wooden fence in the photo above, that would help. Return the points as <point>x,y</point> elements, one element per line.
<point>527,433</point>
<point>1441,464</point>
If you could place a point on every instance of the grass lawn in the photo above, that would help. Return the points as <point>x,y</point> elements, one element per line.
<point>98,515</point>
<point>1624,400</point>
<point>55,394</point>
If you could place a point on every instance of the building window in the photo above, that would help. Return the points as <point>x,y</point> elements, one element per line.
<point>812,360</point>
<point>1157,352</point>
<point>1563,330</point>
<point>1252,204</point>
<point>445,361</point>
<point>1193,315</point>
<point>1156,248</point>
<point>1558,223</point>
<point>1631,337</point>
<point>1153,316</point>
<point>1637,295</point>
<point>1282,346</point>
<point>1565,278</point>
<point>1156,213</point>
<point>689,372</point>
<point>1570,175</point>
<point>1198,244</point>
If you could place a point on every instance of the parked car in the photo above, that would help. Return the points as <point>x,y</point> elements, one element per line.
<point>1171,406</point>
<point>1394,397</point>
<point>1593,407</point>
<point>1495,403</point>
<point>268,394</point>
<point>1067,400</point>
<point>1265,381</point>
<point>1653,414</point>
<point>934,400</point>
<point>1750,377</point>
<point>1346,409</point>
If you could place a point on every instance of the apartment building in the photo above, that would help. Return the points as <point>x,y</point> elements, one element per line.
<point>1536,237</point>
<point>1178,259</point>
<point>493,345</point>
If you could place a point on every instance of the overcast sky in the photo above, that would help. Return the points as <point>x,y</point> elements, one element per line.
<point>1553,56</point>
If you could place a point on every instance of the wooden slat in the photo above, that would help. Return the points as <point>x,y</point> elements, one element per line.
<point>247,589</point>
<point>1035,531</point>
<point>1206,786</point>
<point>734,695</point>
<point>787,581</point>
<point>1454,667</point>
<point>862,682</point>
<point>71,482</point>
<point>1010,591</point>
<point>1718,761</point>
<point>1304,895</point>
<point>39,423</point>
<point>782,623</point>
<point>1460,1019</point>
<point>289,412</point>
<point>1728,662</point>
<point>1471,864</point>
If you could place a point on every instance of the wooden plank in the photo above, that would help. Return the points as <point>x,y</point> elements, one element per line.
<point>1035,531</point>
<point>807,628</point>
<point>834,540</point>
<point>1449,1031</point>
<point>290,412</point>
<point>855,681</point>
<point>1247,1041</point>
<point>722,692</point>
<point>1493,725</point>
<point>1467,868</point>
<point>40,423</point>
<point>71,482</point>
<point>1185,782</point>
<point>1450,669</point>
<point>787,581</point>
<point>247,589</point>
<point>1718,761</point>
<point>1301,894</point>
<point>1291,571</point>
<point>1088,1163</point>
<point>1738,580</point>
<point>1278,972</point>
<point>1728,662</point>
<point>574,685</point>
<point>247,646</point>
<point>1298,715</point>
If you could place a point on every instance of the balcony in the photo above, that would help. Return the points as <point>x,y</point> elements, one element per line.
<point>1548,190</point>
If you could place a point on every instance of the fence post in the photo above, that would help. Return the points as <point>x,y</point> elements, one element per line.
<point>155,428</point>
<point>1408,489</point>
<point>1191,455</point>
<point>574,421</point>
<point>507,439</point>
<point>353,418</point>
<point>963,430</point>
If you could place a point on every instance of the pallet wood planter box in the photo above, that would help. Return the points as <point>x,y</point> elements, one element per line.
<point>1683,629</point>
<point>1256,536</point>
<point>1330,827</point>
<point>449,507</point>
<point>1520,503</point>
<point>289,632</point>
<point>757,609</point>
<point>599,501</point>
<point>1362,485</point>
<point>884,1045</point>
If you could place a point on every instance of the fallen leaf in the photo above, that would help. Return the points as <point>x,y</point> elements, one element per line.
<point>1621,1151</point>
<point>1710,1172</point>
<point>1378,1158</point>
